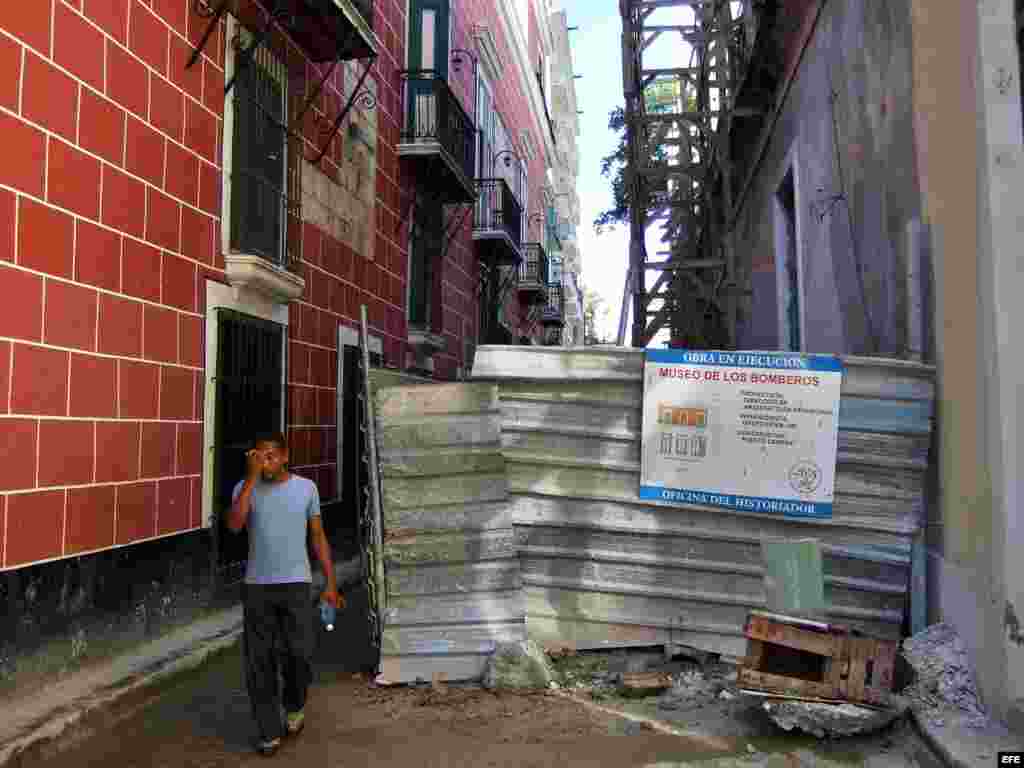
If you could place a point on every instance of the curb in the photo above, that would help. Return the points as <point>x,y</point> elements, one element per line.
<point>978,746</point>
<point>59,720</point>
<point>940,750</point>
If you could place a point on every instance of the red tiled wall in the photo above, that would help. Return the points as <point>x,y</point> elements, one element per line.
<point>514,106</point>
<point>108,196</point>
<point>459,309</point>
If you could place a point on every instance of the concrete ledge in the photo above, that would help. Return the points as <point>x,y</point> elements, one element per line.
<point>48,714</point>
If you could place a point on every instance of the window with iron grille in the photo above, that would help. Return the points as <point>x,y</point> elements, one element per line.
<point>256,181</point>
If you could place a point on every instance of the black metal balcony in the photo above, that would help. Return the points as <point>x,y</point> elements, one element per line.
<point>497,223</point>
<point>438,133</point>
<point>326,30</point>
<point>533,274</point>
<point>554,309</point>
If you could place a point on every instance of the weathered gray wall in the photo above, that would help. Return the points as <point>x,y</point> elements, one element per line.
<point>857,69</point>
<point>601,567</point>
<point>451,552</point>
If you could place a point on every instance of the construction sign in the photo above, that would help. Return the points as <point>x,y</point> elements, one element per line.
<point>749,431</point>
<point>664,95</point>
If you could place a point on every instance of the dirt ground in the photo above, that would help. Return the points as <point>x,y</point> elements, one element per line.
<point>202,719</point>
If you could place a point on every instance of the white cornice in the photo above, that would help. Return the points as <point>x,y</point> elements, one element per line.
<point>520,51</point>
<point>487,52</point>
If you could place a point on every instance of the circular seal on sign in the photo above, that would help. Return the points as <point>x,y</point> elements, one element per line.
<point>805,477</point>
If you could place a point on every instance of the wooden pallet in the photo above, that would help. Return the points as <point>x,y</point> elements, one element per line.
<point>797,658</point>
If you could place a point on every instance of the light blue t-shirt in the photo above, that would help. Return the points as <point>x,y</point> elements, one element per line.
<point>277,526</point>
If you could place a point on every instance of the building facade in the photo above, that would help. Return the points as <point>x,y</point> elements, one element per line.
<point>565,115</point>
<point>200,197</point>
<point>874,175</point>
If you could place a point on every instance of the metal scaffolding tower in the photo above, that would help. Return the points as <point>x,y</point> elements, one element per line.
<point>678,171</point>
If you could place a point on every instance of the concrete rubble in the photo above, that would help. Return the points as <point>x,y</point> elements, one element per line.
<point>519,665</point>
<point>829,720</point>
<point>943,685</point>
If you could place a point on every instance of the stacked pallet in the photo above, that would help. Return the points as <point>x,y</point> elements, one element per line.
<point>789,657</point>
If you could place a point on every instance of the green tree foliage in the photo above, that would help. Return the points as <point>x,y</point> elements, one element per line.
<point>595,314</point>
<point>613,166</point>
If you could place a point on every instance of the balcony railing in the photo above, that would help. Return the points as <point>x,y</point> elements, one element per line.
<point>533,271</point>
<point>554,309</point>
<point>497,211</point>
<point>435,122</point>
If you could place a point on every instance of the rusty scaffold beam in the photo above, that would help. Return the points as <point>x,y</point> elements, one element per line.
<point>678,117</point>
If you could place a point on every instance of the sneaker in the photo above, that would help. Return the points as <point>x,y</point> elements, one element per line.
<point>295,722</point>
<point>269,746</point>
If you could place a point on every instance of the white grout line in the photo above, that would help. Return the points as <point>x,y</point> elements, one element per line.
<point>42,318</point>
<point>10,377</point>
<point>105,484</point>
<point>38,440</point>
<point>21,77</point>
<point>120,266</point>
<point>107,291</point>
<point>95,453</point>
<point>53,28</point>
<point>67,408</point>
<point>46,172</point>
<point>140,451</point>
<point>101,419</point>
<point>52,134</point>
<point>64,526</point>
<point>117,504</point>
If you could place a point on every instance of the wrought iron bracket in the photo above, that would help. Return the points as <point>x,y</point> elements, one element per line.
<point>247,54</point>
<point>366,101</point>
<point>411,208</point>
<point>452,231</point>
<point>202,8</point>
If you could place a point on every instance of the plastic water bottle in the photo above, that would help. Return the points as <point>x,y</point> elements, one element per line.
<point>327,614</point>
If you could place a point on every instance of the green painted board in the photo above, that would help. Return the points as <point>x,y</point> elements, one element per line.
<point>793,577</point>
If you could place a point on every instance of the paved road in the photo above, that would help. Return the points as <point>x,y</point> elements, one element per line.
<point>202,719</point>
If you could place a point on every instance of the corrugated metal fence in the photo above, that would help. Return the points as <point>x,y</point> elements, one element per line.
<point>451,552</point>
<point>600,568</point>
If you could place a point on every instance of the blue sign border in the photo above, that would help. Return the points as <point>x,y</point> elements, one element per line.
<point>759,504</point>
<point>792,361</point>
<point>771,360</point>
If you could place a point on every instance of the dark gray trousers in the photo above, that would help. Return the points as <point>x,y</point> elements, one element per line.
<point>279,636</point>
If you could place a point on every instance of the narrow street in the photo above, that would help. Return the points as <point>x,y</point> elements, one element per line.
<point>202,718</point>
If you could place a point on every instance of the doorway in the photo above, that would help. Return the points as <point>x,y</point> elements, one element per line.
<point>249,399</point>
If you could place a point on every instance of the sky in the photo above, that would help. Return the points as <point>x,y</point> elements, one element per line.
<point>596,47</point>
<point>597,59</point>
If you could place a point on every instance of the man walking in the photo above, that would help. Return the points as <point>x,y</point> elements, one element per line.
<point>281,511</point>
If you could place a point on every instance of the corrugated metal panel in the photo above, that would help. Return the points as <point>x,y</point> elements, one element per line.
<point>601,568</point>
<point>451,551</point>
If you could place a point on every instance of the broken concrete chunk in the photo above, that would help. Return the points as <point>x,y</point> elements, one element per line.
<point>943,678</point>
<point>520,665</point>
<point>831,720</point>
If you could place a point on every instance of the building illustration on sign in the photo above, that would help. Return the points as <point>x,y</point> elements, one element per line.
<point>683,432</point>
